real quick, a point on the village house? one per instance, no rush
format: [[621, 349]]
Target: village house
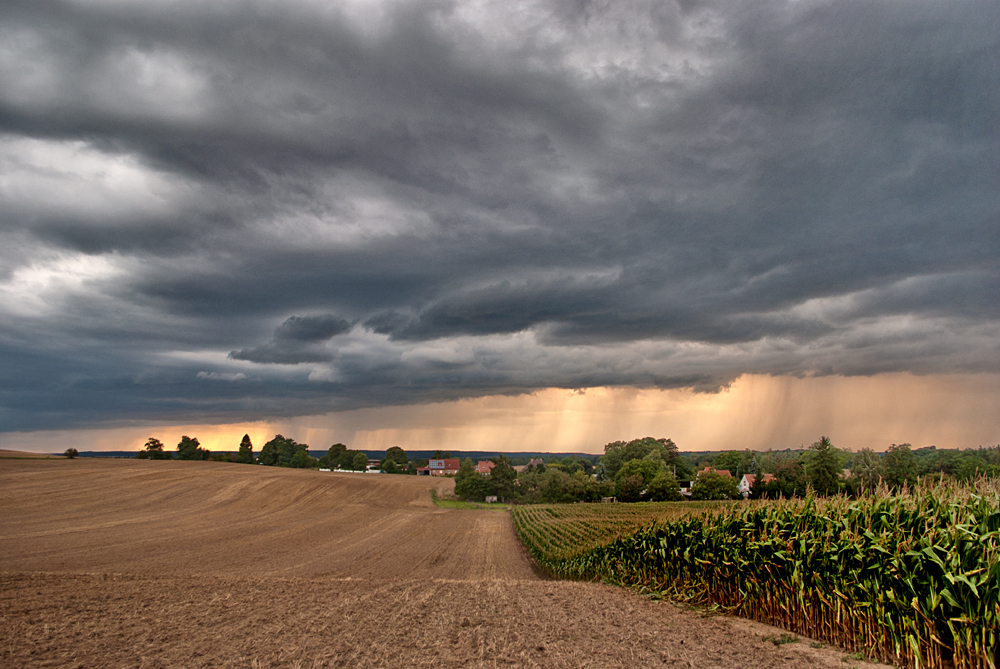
[[724, 473], [746, 483], [534, 462], [440, 467], [484, 467]]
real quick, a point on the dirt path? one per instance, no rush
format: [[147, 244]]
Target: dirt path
[[168, 564]]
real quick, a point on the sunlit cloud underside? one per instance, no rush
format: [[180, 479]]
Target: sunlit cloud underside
[[756, 412]]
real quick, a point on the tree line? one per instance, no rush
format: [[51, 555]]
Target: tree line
[[280, 451], [653, 470], [648, 469], [284, 451]]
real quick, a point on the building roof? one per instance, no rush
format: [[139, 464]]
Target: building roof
[[724, 473], [752, 478]]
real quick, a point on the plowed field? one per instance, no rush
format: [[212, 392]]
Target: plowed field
[[127, 563]]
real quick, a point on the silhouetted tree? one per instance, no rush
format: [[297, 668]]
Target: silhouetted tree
[[71, 453], [245, 454], [154, 450], [280, 451], [190, 449]]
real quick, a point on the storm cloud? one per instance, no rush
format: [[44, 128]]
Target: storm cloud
[[231, 211]]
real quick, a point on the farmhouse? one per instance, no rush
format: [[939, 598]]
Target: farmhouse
[[484, 467], [441, 467], [724, 473], [534, 462], [746, 483]]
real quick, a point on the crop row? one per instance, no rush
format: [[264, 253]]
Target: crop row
[[911, 578], [559, 531]]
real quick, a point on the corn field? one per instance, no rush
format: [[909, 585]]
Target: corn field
[[911, 578], [555, 532]]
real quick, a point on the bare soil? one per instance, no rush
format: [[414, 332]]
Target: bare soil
[[128, 563]]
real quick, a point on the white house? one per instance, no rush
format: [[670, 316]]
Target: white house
[[746, 483]]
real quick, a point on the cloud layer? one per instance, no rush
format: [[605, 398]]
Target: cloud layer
[[244, 210]]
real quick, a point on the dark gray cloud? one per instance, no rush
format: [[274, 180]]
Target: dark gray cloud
[[265, 209], [297, 340]]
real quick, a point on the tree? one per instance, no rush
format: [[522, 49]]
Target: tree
[[664, 488], [790, 481], [617, 453], [190, 449], [269, 453], [503, 478], [656, 457], [971, 464], [154, 450], [287, 450], [71, 453], [360, 462], [302, 460], [332, 458], [469, 484], [281, 451], [867, 469], [728, 460], [467, 469], [824, 467], [714, 486], [348, 458], [900, 466], [627, 489], [397, 455], [766, 462], [245, 454]]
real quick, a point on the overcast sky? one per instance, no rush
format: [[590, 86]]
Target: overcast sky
[[238, 211]]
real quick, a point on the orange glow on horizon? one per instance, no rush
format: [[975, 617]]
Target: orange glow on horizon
[[756, 412]]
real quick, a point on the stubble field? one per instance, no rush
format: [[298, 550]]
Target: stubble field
[[127, 563]]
